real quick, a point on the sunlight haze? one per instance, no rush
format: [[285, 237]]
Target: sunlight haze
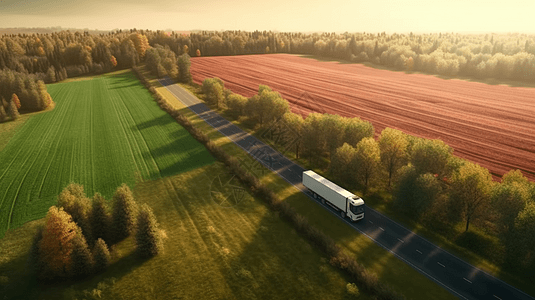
[[305, 16]]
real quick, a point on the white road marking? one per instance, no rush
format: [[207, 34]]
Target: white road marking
[[370, 222], [401, 240], [441, 264], [362, 232], [419, 251], [467, 280], [497, 297], [381, 228]]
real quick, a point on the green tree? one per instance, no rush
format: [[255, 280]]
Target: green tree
[[74, 201], [470, 190], [213, 88], [510, 197], [55, 246], [357, 129], [100, 218], [253, 109], [430, 156], [81, 258], [341, 163], [366, 160], [335, 126], [393, 145], [273, 106], [236, 104], [149, 240], [314, 136], [294, 134], [515, 176], [414, 193], [184, 64], [524, 241], [101, 255], [124, 213]]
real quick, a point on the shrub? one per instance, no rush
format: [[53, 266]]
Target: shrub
[[124, 213], [352, 289], [101, 255], [148, 237]]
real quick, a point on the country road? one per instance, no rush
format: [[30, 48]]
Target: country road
[[455, 275]]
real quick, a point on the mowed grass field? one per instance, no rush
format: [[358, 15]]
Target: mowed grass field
[[212, 251], [103, 132]]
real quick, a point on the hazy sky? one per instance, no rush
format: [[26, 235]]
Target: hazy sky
[[282, 15]]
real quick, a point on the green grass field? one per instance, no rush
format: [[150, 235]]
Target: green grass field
[[212, 251], [102, 132]]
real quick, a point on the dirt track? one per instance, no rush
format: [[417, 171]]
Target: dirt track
[[493, 125]]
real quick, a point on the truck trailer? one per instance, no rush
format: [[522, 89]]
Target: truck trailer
[[347, 203]]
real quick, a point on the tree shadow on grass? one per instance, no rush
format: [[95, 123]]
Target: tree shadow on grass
[[162, 120], [22, 283]]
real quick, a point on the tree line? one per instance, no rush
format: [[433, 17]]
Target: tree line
[[428, 183], [56, 56], [78, 235], [28, 59]]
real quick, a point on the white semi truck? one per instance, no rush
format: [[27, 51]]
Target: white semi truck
[[349, 205]]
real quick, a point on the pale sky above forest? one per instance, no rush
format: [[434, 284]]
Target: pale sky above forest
[[281, 15]]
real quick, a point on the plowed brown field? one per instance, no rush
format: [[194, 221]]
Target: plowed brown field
[[492, 125]]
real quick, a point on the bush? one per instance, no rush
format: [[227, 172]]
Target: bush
[[101, 255], [124, 213], [352, 289], [148, 236]]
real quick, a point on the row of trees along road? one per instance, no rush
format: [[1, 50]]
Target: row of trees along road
[[428, 183]]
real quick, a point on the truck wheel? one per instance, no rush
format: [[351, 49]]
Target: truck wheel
[[342, 214], [323, 201], [315, 195]]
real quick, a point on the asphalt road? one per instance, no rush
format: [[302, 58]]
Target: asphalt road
[[458, 277]]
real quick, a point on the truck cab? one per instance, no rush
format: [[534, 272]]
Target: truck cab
[[355, 208]]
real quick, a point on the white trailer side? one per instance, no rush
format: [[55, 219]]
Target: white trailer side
[[349, 204]]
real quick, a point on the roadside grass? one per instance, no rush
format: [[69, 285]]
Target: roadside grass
[[380, 199], [389, 268], [103, 132], [211, 252]]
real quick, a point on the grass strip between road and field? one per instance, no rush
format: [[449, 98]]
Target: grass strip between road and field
[[371, 257]]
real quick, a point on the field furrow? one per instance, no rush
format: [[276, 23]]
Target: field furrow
[[95, 137], [491, 125]]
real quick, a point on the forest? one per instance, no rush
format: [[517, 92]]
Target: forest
[[29, 60]]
